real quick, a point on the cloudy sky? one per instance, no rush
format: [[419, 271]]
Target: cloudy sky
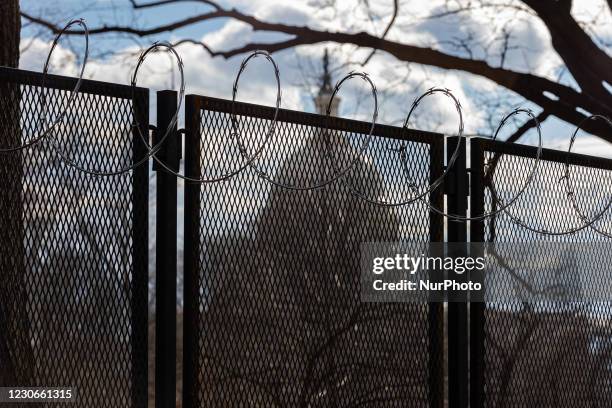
[[114, 58], [399, 83]]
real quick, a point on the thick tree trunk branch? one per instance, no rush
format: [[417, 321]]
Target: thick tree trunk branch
[[16, 357], [10, 33], [588, 64]]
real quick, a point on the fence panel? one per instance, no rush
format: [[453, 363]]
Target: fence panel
[[272, 309], [73, 248], [547, 354]]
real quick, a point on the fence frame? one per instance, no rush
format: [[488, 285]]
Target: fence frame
[[466, 321], [194, 105], [139, 213], [456, 191], [479, 148], [166, 251]]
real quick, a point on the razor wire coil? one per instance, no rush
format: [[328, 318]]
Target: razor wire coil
[[250, 159]]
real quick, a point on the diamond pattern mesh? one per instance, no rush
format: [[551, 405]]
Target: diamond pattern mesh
[[548, 354], [73, 248], [279, 319]]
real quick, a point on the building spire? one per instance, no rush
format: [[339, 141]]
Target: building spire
[[326, 90], [326, 85]]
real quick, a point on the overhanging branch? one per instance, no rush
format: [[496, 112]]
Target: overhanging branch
[[158, 3], [566, 105]]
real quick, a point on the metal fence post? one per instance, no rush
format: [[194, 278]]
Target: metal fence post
[[191, 253], [140, 253], [166, 249], [436, 309], [477, 234], [457, 192]]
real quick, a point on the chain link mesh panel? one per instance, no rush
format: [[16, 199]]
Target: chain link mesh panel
[[544, 354], [273, 315], [73, 248]]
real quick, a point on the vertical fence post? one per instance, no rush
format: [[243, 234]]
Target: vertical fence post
[[477, 332], [436, 309], [191, 253], [140, 254], [457, 193], [165, 261]]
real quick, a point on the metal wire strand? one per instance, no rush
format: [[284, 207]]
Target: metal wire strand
[[569, 193], [509, 203], [43, 134], [569, 186], [241, 147], [338, 173], [402, 149], [151, 150]]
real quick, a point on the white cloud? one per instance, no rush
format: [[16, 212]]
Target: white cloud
[[63, 61], [398, 82]]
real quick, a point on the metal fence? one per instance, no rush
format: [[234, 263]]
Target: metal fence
[[272, 314], [546, 354], [73, 248], [272, 309]]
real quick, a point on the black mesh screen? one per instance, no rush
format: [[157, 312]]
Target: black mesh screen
[[73, 247], [547, 354], [278, 320]]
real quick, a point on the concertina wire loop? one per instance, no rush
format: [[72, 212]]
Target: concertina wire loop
[[568, 180], [339, 172], [504, 206], [250, 159], [151, 150], [586, 223], [402, 149], [42, 117], [235, 133]]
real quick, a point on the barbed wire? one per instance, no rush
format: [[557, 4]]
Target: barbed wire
[[568, 181], [491, 165], [328, 159], [42, 118], [235, 133], [569, 188], [151, 150], [498, 206], [586, 222], [403, 148]]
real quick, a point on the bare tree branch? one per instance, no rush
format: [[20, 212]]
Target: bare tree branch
[[166, 2], [469, 7], [567, 103], [131, 30], [588, 64], [387, 29]]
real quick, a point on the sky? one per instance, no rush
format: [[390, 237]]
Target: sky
[[114, 59], [398, 83]]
